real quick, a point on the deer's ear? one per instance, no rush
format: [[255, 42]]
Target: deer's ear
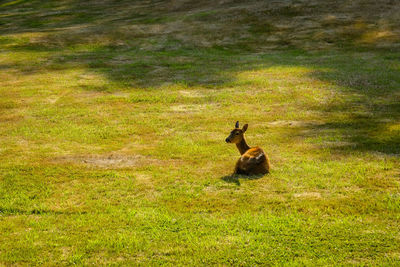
[[245, 127], [237, 124]]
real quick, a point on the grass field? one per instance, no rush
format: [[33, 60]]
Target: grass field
[[113, 116]]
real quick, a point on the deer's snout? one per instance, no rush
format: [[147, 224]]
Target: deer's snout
[[227, 140]]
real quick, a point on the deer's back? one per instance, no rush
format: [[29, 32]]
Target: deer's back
[[254, 161], [253, 152]]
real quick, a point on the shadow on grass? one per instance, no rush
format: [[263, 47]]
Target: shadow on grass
[[369, 86], [362, 135], [119, 44], [234, 178]]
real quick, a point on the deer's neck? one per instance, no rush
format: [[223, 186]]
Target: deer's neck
[[242, 146]]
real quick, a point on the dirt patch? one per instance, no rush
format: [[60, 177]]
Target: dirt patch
[[189, 108], [111, 161]]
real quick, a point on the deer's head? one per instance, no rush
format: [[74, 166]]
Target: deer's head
[[236, 135]]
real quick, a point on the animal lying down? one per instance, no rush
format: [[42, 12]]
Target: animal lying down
[[253, 159]]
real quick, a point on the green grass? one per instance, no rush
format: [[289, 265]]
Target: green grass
[[113, 121]]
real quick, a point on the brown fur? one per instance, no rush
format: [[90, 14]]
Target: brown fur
[[253, 160]]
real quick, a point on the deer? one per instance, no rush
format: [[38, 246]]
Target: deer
[[253, 160]]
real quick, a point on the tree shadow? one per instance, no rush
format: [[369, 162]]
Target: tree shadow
[[371, 90], [359, 135], [147, 44], [248, 24]]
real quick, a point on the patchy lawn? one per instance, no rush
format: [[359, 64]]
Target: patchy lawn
[[113, 116]]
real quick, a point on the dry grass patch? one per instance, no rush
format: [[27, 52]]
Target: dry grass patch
[[111, 161], [284, 123], [314, 195], [147, 185], [191, 93], [190, 108], [113, 116]]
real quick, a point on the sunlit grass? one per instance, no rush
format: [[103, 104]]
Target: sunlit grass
[[114, 153]]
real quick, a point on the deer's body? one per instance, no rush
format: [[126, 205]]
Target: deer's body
[[253, 160]]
